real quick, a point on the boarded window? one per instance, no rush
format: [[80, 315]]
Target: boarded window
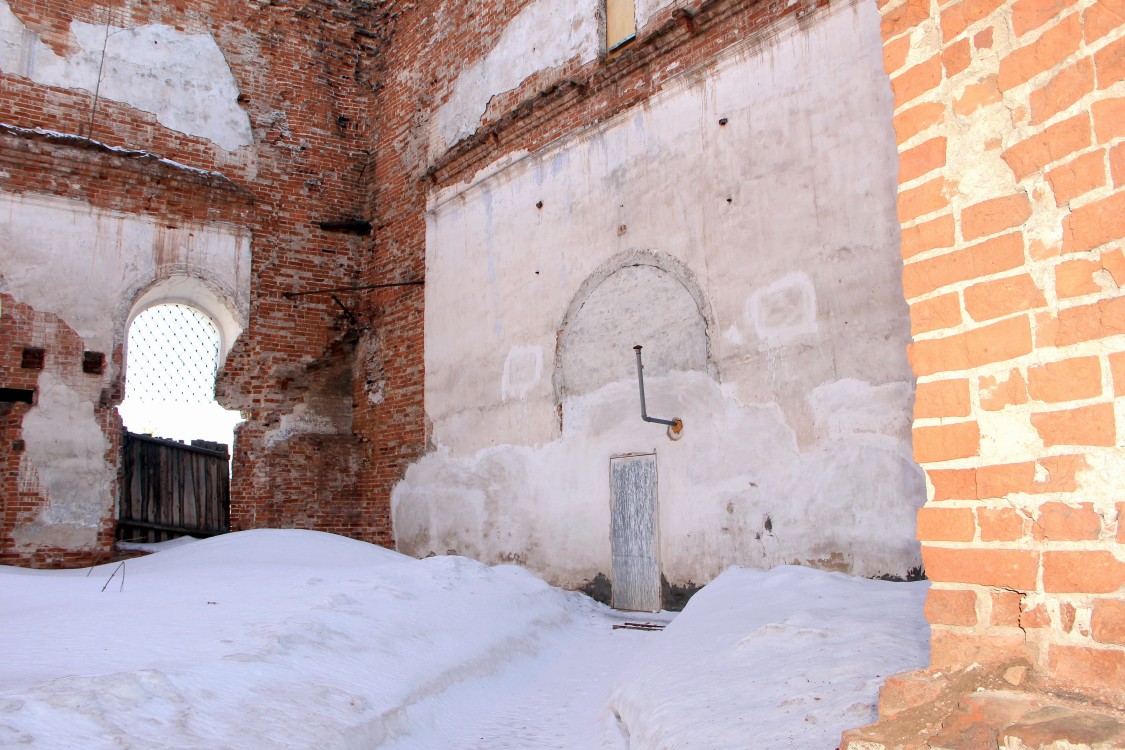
[[620, 22]]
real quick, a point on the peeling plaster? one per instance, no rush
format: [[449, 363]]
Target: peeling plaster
[[64, 458], [647, 9], [849, 502], [545, 34], [1006, 434], [771, 309], [636, 304], [93, 264], [326, 394], [183, 79], [370, 358]]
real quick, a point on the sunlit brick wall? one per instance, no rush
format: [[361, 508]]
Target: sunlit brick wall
[[1010, 118]]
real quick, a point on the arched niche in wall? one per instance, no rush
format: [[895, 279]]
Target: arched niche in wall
[[636, 297]]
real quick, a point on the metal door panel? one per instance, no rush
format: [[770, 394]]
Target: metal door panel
[[636, 569]]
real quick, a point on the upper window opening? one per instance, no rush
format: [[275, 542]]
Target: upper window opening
[[620, 22], [172, 358]]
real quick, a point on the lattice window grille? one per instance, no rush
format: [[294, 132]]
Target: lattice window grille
[[173, 357]]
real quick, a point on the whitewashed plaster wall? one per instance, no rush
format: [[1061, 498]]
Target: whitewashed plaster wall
[[774, 325], [93, 269], [181, 78]]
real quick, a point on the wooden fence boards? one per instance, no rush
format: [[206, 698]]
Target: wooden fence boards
[[170, 489]]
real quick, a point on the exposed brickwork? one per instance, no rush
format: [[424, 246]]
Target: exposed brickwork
[[1007, 114], [327, 86], [305, 75], [23, 496]]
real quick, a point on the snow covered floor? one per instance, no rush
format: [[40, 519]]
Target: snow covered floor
[[294, 639], [557, 699]]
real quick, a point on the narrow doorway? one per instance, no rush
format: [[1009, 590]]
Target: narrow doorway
[[636, 567]]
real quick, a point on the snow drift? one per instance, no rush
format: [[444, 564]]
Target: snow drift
[[772, 659], [298, 639], [280, 639]]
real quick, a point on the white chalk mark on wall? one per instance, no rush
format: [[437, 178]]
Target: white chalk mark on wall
[[183, 79]]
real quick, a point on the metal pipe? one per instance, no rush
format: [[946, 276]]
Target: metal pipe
[[674, 425]]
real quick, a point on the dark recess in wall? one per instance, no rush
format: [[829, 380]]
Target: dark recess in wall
[[672, 598], [17, 396]]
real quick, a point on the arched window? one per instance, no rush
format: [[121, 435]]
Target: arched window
[[172, 358]]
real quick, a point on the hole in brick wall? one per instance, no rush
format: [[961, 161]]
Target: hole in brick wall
[[17, 446], [93, 363], [17, 396], [33, 358]]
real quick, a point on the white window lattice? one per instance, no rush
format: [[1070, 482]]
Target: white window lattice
[[173, 356]]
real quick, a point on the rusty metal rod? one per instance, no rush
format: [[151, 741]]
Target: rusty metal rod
[[355, 321], [365, 287]]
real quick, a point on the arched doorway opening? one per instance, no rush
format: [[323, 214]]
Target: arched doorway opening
[[178, 441]]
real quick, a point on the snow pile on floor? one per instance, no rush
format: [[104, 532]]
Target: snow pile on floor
[[786, 658], [297, 639], [272, 639]]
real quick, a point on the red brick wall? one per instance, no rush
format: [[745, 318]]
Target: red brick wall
[[1010, 118], [305, 74]]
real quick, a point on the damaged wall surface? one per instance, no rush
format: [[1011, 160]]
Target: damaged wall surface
[[715, 223], [1012, 125], [93, 264], [195, 92], [721, 189], [68, 292], [183, 153]]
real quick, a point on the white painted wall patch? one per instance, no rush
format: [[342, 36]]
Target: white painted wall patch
[[545, 34], [523, 369], [783, 310], [65, 449]]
